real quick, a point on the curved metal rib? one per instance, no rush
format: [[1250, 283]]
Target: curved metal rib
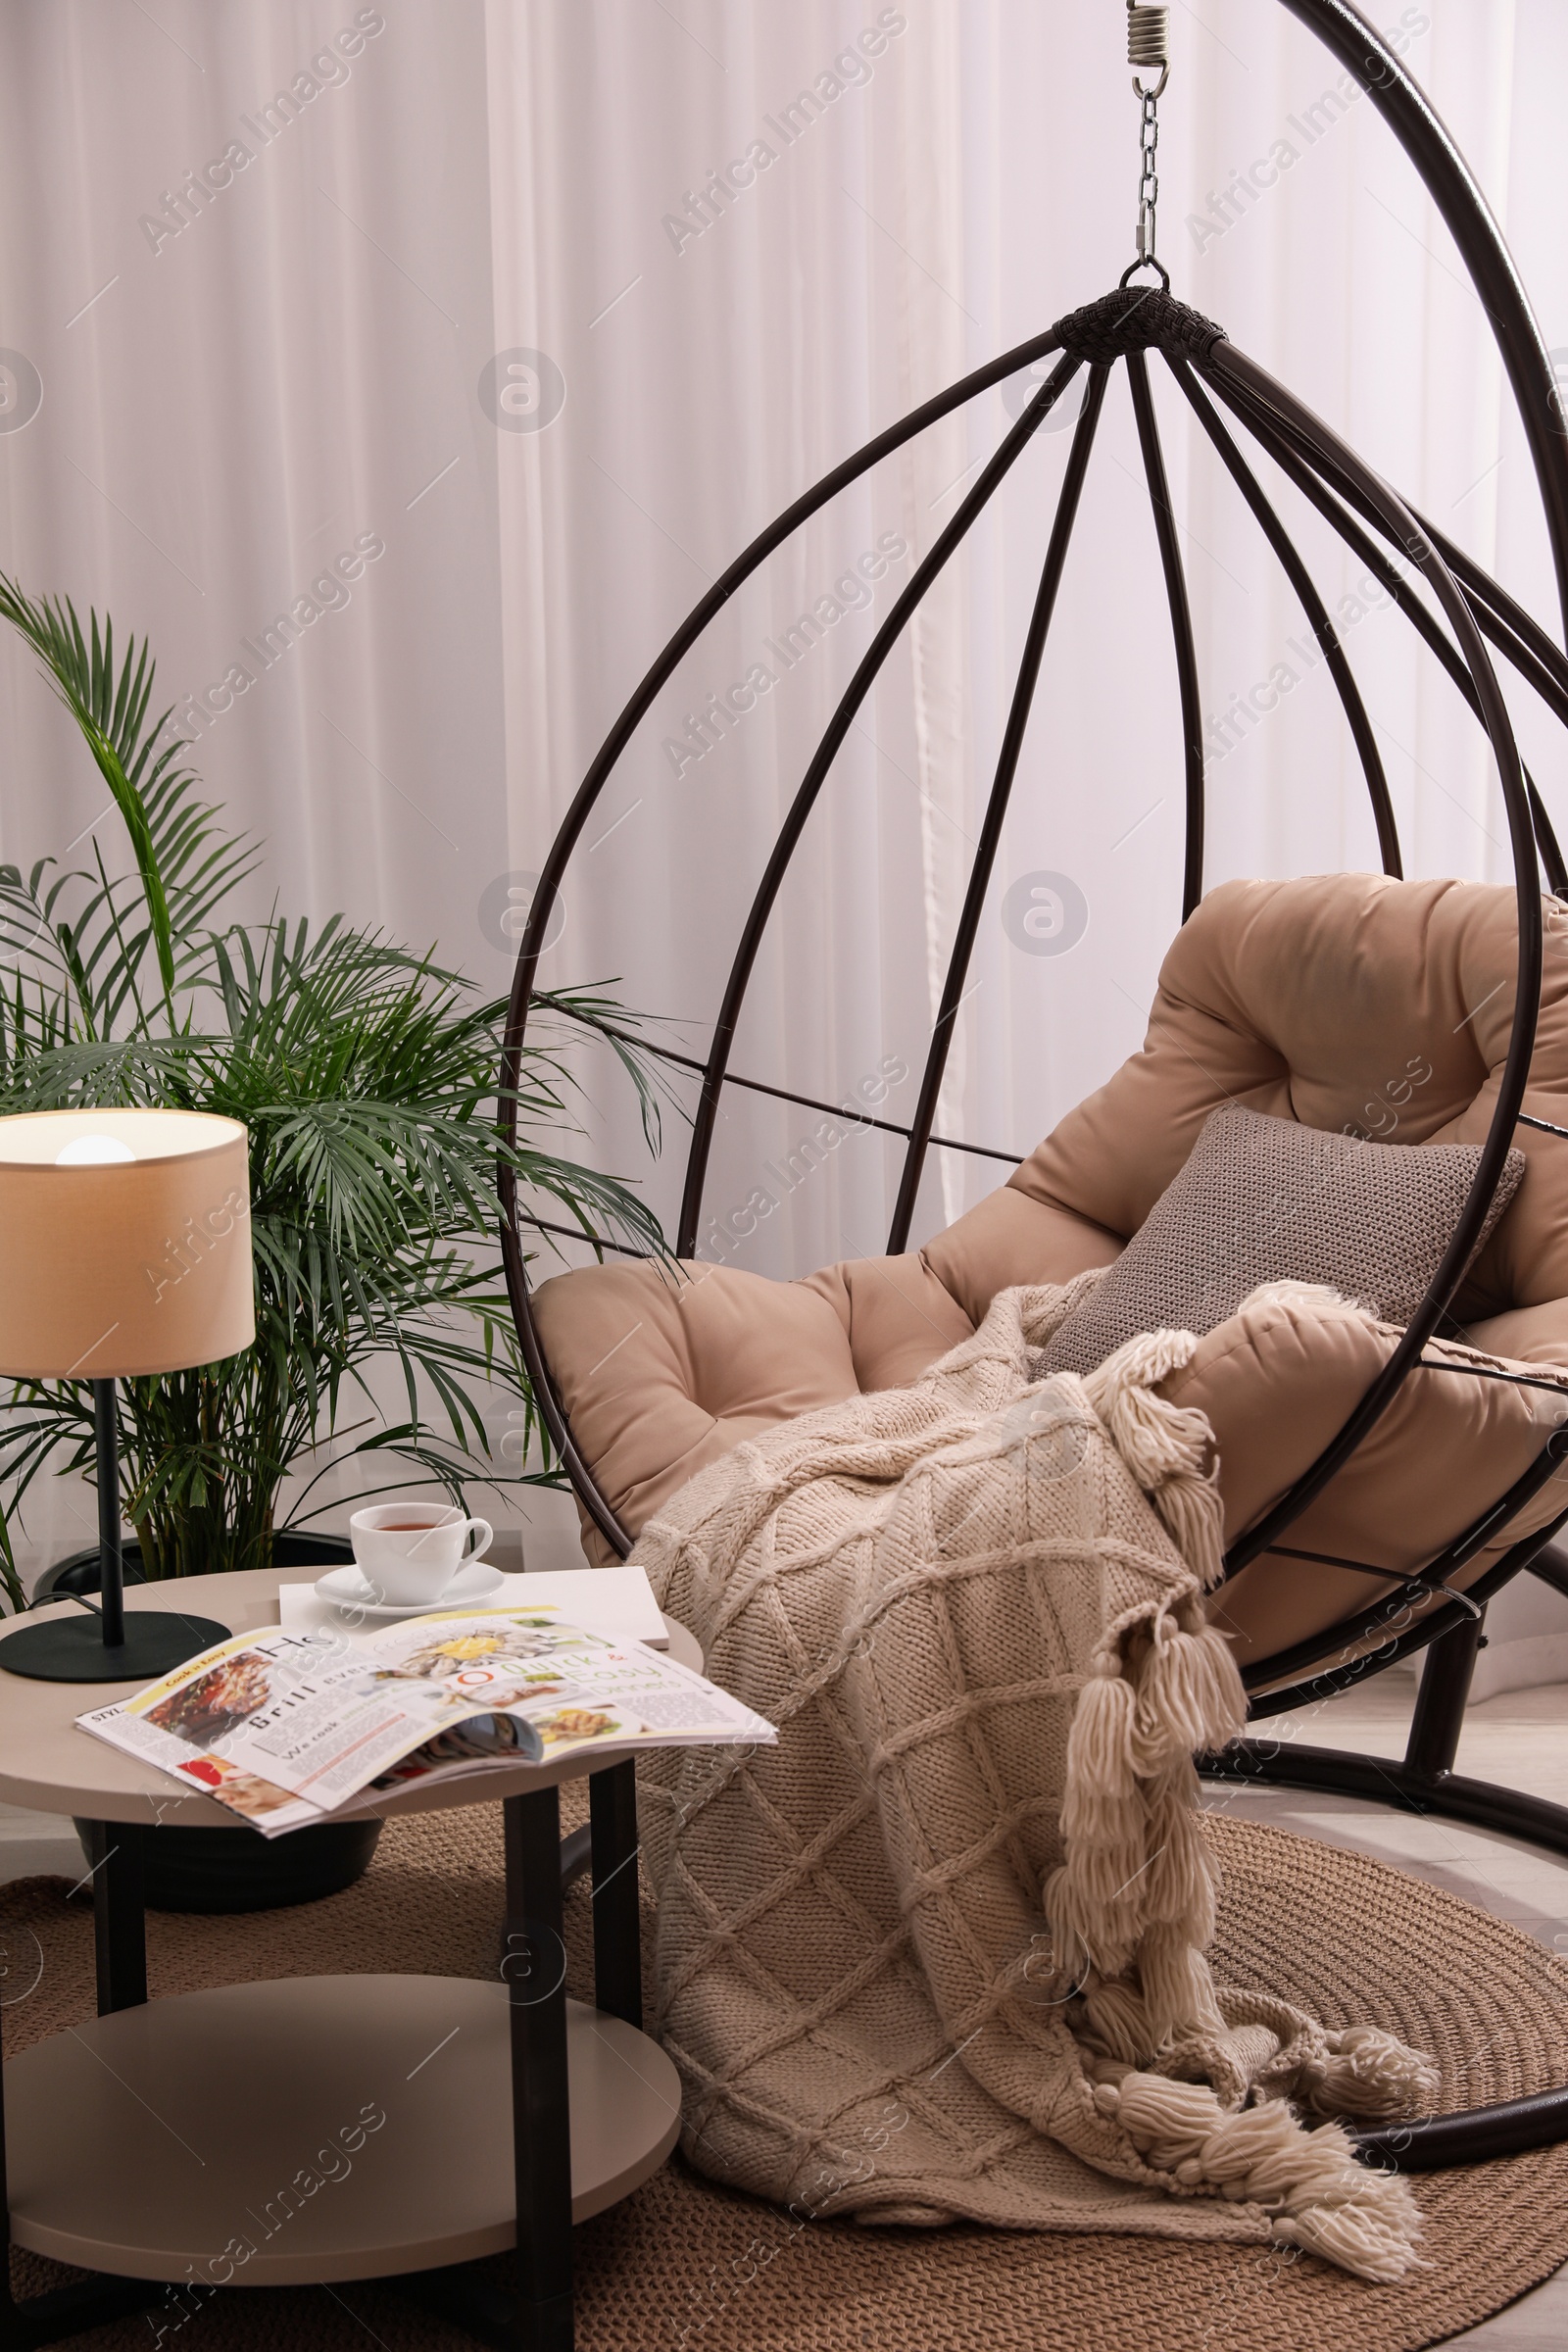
[[1447, 179], [1332, 504], [882, 445], [1312, 605], [1181, 627], [550, 1410], [547, 1397], [936, 1060], [1384, 1614], [1513, 624], [1230, 364], [1523, 643], [1510, 629], [804, 799]]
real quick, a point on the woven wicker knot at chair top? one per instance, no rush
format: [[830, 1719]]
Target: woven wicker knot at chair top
[[1136, 318]]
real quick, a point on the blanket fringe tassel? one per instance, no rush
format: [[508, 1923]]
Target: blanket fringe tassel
[[1137, 1883], [1136, 1894], [1317, 2193]]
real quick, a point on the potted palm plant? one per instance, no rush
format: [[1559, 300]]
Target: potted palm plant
[[366, 1074]]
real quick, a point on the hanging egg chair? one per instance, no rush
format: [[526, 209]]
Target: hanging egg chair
[[1356, 1459]]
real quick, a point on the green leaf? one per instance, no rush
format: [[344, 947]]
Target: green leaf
[[184, 863]]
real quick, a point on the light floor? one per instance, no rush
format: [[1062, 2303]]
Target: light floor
[[1519, 1737]]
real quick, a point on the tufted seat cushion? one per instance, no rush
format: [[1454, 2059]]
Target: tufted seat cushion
[[1342, 1001]]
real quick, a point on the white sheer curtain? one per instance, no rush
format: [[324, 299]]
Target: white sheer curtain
[[472, 292]]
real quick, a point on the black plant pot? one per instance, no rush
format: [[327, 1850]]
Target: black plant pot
[[81, 1572], [237, 1870], [240, 1869]]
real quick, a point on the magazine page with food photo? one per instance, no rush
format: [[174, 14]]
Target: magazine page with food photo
[[284, 1728]]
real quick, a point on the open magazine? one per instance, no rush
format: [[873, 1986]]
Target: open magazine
[[286, 1728]]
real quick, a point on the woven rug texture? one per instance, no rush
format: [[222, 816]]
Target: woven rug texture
[[684, 2266]]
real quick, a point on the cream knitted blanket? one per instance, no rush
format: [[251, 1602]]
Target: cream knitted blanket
[[939, 1953]]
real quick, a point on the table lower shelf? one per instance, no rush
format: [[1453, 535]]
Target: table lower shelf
[[311, 2129]]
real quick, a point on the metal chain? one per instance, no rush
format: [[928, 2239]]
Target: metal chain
[[1147, 45], [1149, 179]]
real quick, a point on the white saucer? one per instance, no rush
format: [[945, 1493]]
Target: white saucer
[[346, 1589]]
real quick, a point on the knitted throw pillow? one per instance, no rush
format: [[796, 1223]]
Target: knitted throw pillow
[[1264, 1199]]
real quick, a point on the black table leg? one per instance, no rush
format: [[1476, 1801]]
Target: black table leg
[[115, 1856], [617, 1940], [535, 1970], [91, 2302], [538, 2318]]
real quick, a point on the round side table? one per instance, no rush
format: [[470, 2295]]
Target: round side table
[[327, 2128]]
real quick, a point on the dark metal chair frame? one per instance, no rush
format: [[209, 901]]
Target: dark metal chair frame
[[1471, 608]]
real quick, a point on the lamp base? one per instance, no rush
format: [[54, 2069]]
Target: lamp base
[[73, 1649]]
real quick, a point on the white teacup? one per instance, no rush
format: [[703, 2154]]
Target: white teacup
[[409, 1553]]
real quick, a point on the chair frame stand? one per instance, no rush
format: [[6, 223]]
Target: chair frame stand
[[1423, 1781]]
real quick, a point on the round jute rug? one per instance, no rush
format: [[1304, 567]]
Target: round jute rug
[[685, 2266]]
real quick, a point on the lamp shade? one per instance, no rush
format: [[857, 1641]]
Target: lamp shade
[[125, 1242]]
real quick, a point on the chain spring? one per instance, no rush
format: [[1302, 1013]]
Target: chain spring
[[1147, 35]]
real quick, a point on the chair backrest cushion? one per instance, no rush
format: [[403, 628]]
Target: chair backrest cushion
[[1344, 1001]]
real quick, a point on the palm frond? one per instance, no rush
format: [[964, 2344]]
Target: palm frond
[[184, 861]]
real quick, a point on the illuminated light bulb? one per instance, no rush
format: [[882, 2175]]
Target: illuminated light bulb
[[95, 1151]]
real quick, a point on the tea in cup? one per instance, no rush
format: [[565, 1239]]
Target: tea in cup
[[409, 1553]]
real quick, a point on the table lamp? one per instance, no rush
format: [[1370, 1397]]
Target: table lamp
[[124, 1250]]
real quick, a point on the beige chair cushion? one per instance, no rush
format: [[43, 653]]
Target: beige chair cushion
[[1342, 1001], [660, 1375], [1276, 1383], [1338, 1000]]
